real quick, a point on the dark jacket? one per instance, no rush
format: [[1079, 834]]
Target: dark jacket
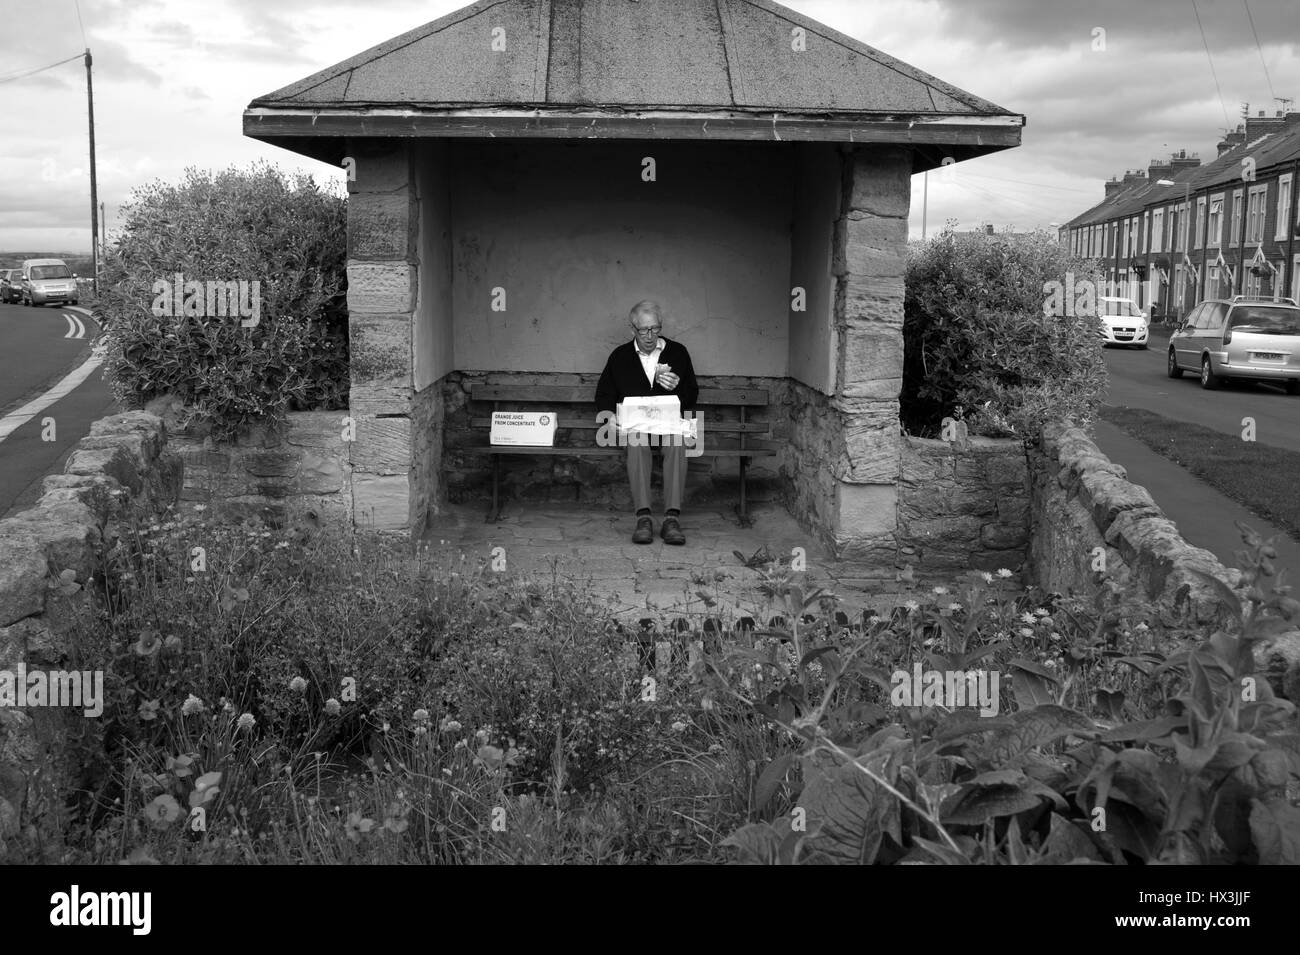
[[624, 377]]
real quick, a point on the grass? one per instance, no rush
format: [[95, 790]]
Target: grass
[[1257, 476]]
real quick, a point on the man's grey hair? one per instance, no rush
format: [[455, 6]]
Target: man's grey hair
[[645, 308]]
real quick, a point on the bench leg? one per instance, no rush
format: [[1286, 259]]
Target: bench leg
[[494, 515], [742, 510]]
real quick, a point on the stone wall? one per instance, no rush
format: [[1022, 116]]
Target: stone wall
[[303, 470], [963, 505], [124, 459], [1085, 515]]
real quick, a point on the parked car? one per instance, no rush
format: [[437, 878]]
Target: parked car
[[10, 285], [1241, 339], [48, 280], [1122, 322]]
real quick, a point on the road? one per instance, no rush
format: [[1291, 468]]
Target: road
[[37, 351], [1138, 380]]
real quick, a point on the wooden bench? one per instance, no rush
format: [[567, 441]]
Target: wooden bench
[[576, 430]]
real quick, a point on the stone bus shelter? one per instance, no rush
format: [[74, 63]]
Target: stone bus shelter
[[523, 171]]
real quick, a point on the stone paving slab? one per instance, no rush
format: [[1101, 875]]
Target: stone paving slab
[[597, 547]]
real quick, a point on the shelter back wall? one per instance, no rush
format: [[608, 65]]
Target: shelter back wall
[[575, 237]]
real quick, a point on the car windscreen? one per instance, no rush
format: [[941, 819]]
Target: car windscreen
[[51, 272], [1124, 308], [1266, 320]]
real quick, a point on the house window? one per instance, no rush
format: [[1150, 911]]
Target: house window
[[1200, 222], [1214, 233], [1234, 237], [1157, 229], [1255, 210], [1283, 206], [1295, 278], [1146, 231], [1114, 237], [1212, 281]]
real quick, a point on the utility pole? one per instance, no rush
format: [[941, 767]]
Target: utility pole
[[925, 200], [94, 189]]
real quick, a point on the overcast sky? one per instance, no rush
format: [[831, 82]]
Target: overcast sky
[[172, 78]]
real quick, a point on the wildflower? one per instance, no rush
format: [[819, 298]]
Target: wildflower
[[395, 818], [148, 643], [716, 748], [200, 508], [356, 826], [1004, 573], [874, 619], [940, 591], [173, 642], [332, 706], [461, 744], [148, 710], [421, 730], [191, 705], [490, 758], [1055, 635], [954, 606], [988, 578], [1028, 617], [1050, 664], [421, 715], [162, 811], [281, 544], [298, 685], [1141, 627], [246, 721], [227, 706], [1043, 612], [912, 606], [448, 725], [679, 727], [482, 736], [1026, 632], [446, 770]]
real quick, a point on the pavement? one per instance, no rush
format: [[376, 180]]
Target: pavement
[[700, 580], [1205, 518]]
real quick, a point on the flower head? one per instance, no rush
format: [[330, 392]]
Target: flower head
[[940, 591], [448, 725], [1028, 617], [332, 706], [679, 727], [912, 606], [1004, 573], [356, 826], [988, 578], [148, 710], [148, 643], [246, 721], [421, 715], [162, 811], [298, 685], [191, 706]]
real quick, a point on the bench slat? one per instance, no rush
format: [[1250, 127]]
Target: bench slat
[[586, 394], [724, 427], [593, 452]]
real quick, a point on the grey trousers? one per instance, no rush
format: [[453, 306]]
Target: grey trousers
[[639, 464]]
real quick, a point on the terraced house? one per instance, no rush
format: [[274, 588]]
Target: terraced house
[[1183, 231]]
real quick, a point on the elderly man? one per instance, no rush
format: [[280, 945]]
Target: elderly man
[[651, 365]]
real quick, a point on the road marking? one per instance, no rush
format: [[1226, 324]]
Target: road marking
[[75, 328], [16, 419]]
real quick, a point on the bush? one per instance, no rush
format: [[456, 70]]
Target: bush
[[978, 346], [254, 225]]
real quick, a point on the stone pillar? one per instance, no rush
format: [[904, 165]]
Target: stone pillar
[[870, 250], [382, 263]]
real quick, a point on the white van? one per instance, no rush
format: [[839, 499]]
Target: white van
[[47, 280]]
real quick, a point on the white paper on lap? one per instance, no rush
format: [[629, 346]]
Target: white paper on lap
[[656, 414]]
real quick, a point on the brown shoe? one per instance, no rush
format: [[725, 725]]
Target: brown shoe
[[645, 531], [672, 531]]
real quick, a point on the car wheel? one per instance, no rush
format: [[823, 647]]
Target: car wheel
[[1174, 371], [1209, 380], [1293, 386]]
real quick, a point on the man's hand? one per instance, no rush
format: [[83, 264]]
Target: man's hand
[[666, 379]]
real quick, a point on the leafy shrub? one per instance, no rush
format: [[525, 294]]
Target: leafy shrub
[[255, 225], [978, 346]]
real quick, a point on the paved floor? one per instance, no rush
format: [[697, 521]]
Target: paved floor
[[702, 579]]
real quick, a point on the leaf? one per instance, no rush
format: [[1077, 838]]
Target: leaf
[[942, 852], [772, 776], [758, 842], [1144, 731], [850, 811], [1065, 843], [1226, 595], [974, 807], [1111, 701], [1030, 666], [1275, 826], [1036, 727]]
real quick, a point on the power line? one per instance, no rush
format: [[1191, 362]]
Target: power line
[[1268, 79], [1226, 122], [10, 77], [1027, 182]]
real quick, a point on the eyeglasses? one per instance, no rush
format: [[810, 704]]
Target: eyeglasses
[[649, 331]]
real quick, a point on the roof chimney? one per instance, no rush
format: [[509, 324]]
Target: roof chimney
[[1160, 169], [1257, 126], [988, 229], [1114, 186], [1180, 161], [1235, 138]]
